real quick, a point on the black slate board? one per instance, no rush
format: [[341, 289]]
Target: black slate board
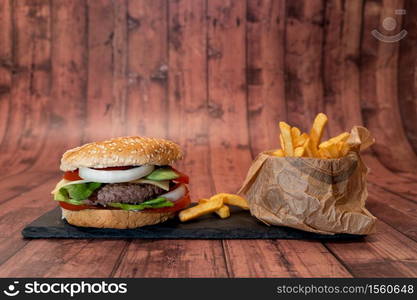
[[241, 225]]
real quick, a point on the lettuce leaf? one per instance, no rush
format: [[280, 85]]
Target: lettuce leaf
[[76, 192], [154, 203]]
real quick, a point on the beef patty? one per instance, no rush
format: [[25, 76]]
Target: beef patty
[[133, 193]]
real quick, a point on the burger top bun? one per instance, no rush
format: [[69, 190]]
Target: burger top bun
[[122, 151]]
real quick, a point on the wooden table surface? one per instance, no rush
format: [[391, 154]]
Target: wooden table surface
[[215, 76]]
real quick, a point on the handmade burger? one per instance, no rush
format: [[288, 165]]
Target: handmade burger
[[121, 183]]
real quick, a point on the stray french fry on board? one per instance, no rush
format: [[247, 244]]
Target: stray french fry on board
[[216, 204]]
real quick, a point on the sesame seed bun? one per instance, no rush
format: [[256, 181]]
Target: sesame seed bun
[[122, 151], [112, 218]]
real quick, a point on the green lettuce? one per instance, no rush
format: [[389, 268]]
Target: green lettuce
[[76, 192], [154, 203]]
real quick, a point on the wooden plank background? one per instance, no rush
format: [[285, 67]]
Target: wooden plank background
[[216, 76]]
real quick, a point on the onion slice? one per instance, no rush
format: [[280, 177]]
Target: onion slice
[[116, 176], [176, 194]]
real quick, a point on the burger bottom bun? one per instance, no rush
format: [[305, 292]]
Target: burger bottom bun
[[112, 218]]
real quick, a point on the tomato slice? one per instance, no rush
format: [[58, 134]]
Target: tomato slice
[[70, 206], [183, 178], [182, 203], [72, 175]]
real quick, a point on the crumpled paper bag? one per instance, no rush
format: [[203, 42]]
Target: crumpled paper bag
[[324, 196]]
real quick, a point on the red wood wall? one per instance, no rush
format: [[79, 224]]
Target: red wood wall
[[214, 75]]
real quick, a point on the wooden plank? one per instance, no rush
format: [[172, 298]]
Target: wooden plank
[[187, 91], [228, 134], [14, 216], [265, 22], [25, 135], [66, 106], [147, 68], [394, 210], [6, 62], [281, 258], [387, 253], [390, 181], [179, 258], [100, 108], [403, 189], [333, 59], [17, 184], [343, 22], [407, 79], [303, 61], [379, 93], [120, 57], [64, 258], [350, 97]]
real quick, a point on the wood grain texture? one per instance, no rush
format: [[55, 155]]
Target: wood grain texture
[[179, 258], [283, 258], [187, 91], [26, 123], [66, 109], [216, 77], [342, 29], [227, 129], [147, 68], [379, 65], [265, 35], [384, 254], [407, 79], [13, 217], [6, 63], [101, 107], [303, 61]]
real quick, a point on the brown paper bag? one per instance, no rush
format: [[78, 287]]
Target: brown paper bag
[[318, 195]]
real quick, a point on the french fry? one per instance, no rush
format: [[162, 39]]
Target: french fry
[[200, 209], [299, 151], [323, 153], [295, 133], [231, 199], [223, 212], [203, 200], [329, 150], [287, 139], [317, 132], [281, 141], [298, 139], [307, 149], [301, 140], [334, 152], [278, 153], [340, 138], [343, 148]]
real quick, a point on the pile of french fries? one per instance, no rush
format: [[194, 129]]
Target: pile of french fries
[[297, 144], [216, 204]]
